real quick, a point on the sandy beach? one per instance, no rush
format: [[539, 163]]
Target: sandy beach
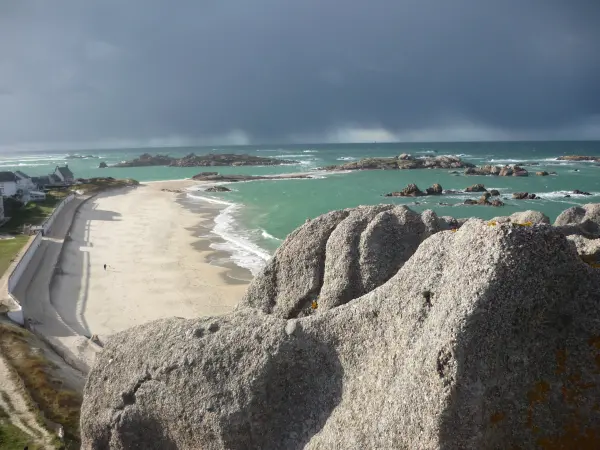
[[156, 266]]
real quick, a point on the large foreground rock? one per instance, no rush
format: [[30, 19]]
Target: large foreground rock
[[586, 218], [486, 338], [351, 252]]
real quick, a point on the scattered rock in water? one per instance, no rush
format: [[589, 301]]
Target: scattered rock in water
[[520, 173], [524, 196], [436, 189], [578, 192], [497, 202], [470, 202], [567, 196], [454, 172], [412, 190], [578, 158], [476, 188], [406, 157], [553, 173], [218, 189], [542, 173], [494, 193], [503, 171], [498, 323], [102, 165]]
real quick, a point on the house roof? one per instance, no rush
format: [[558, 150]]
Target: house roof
[[7, 176], [65, 172], [22, 174], [41, 180]]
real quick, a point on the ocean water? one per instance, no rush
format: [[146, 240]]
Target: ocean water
[[258, 215]]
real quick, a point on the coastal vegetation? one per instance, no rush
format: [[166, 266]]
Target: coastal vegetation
[[47, 396]]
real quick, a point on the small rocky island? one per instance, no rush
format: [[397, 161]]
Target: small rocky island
[[578, 158], [403, 162], [193, 160], [215, 176]]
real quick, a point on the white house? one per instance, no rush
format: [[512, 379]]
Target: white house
[[64, 174], [24, 181], [8, 184]]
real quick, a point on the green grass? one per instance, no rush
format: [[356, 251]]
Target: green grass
[[9, 249], [47, 392], [34, 213], [12, 437], [96, 185]]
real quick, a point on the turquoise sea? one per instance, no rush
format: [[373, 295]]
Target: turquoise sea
[[257, 215]]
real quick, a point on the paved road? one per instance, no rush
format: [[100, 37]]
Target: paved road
[[33, 292]]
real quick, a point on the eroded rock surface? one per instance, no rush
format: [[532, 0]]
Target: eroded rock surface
[[483, 337]]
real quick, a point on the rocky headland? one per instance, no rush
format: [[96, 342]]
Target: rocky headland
[[193, 160], [376, 327]]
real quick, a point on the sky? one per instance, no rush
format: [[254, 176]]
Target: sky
[[116, 73]]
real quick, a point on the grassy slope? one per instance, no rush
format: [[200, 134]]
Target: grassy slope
[[46, 392], [9, 249]]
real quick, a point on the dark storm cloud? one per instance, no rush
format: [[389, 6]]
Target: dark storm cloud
[[79, 71]]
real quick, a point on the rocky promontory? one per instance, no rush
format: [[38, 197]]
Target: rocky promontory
[[193, 160], [401, 162], [376, 327], [578, 158]]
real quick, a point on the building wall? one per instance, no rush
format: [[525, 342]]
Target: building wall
[[8, 188]]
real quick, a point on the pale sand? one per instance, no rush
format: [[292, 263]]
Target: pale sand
[[155, 269]]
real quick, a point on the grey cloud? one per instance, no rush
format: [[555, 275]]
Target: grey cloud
[[73, 71]]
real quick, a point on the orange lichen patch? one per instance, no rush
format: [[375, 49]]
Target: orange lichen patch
[[595, 265], [314, 304], [573, 389], [492, 223], [561, 361], [539, 394], [454, 230], [497, 417], [594, 341], [573, 438], [524, 224]]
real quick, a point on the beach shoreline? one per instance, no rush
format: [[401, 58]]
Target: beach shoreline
[[157, 266]]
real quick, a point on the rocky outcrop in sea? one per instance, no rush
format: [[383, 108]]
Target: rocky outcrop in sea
[[578, 158], [502, 171], [193, 160], [402, 162], [376, 327]]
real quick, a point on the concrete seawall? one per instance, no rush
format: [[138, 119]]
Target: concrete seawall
[[16, 270]]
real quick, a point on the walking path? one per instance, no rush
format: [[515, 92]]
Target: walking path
[[33, 292], [13, 403]]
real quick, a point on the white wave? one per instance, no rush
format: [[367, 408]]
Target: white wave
[[511, 161], [346, 158], [561, 194], [289, 156], [244, 252], [268, 235], [310, 151], [22, 165]]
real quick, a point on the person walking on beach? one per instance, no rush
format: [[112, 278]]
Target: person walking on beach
[[105, 267]]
